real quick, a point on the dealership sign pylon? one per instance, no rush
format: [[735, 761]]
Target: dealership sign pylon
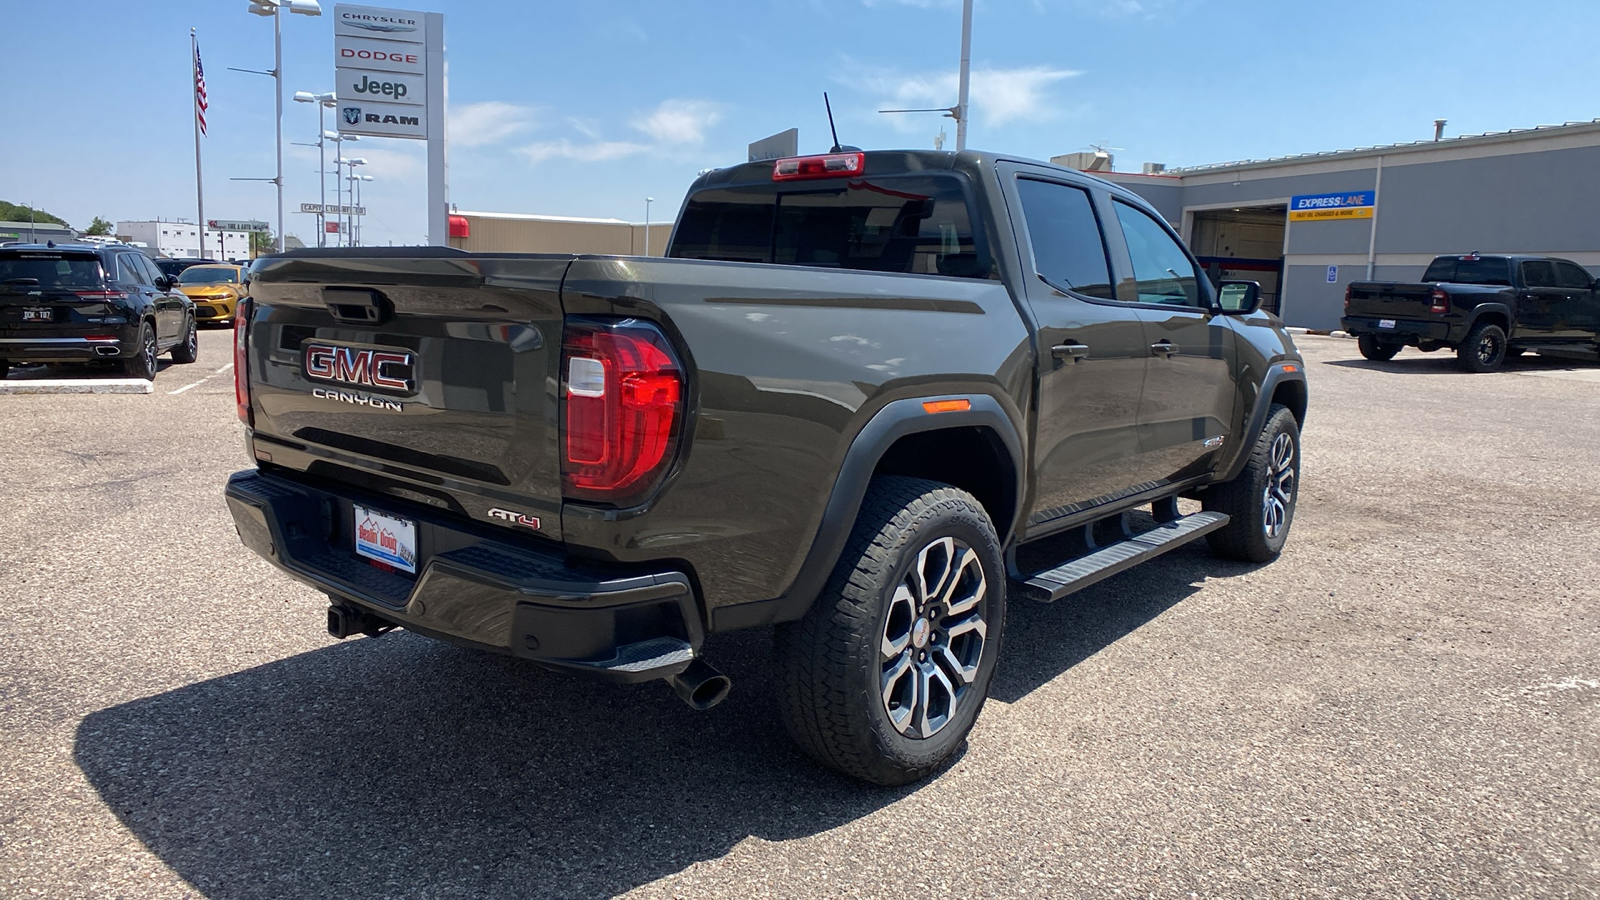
[[389, 65]]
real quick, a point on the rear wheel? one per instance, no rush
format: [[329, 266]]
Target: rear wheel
[[5, 367], [1484, 350], [885, 675], [143, 363], [1376, 350], [1260, 502], [188, 350]]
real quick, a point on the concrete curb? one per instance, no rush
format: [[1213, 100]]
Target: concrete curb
[[1295, 329], [1339, 334], [77, 386]]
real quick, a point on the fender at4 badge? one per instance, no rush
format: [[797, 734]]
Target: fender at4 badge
[[515, 518]]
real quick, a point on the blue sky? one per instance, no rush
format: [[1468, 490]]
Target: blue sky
[[584, 109]]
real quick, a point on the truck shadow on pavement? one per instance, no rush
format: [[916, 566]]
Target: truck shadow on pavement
[[1444, 363], [400, 766]]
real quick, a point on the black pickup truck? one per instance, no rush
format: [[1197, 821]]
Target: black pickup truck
[[1486, 308], [853, 402]]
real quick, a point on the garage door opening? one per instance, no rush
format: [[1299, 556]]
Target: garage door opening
[[1243, 244]]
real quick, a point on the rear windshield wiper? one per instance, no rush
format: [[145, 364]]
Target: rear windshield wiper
[[28, 282]]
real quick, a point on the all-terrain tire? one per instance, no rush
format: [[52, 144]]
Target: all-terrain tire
[[143, 364], [5, 368], [1260, 501], [1376, 350], [850, 670], [188, 349], [1484, 350]]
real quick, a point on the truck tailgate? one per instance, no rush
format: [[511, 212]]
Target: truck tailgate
[[1390, 300], [432, 378]]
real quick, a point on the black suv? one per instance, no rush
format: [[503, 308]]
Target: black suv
[[63, 303], [172, 267]]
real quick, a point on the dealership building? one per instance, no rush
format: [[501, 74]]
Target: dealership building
[[181, 240], [1306, 226]]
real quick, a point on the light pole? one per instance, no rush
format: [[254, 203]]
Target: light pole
[[647, 202], [346, 219], [959, 111], [324, 102], [356, 205], [275, 8], [338, 141]]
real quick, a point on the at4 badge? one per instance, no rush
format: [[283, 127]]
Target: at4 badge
[[515, 518]]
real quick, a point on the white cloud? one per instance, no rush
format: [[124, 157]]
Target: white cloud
[[488, 122], [998, 96], [597, 151], [679, 121]]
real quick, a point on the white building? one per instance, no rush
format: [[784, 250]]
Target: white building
[[182, 239]]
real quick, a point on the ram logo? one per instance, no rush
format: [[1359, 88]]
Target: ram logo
[[385, 370]]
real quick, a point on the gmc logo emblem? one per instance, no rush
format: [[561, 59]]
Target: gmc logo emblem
[[388, 370]]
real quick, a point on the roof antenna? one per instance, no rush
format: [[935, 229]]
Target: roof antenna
[[829, 107], [837, 147]]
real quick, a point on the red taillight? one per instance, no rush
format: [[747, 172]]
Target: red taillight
[[832, 165], [1347, 291], [1439, 302], [622, 397], [241, 377], [103, 296]]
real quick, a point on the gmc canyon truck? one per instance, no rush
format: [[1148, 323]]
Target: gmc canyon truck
[[865, 398], [1486, 308]]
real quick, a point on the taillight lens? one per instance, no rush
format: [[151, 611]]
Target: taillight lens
[[1347, 291], [241, 377], [832, 165], [1440, 301], [102, 296], [622, 408]]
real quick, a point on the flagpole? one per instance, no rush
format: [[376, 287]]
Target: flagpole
[[194, 89]]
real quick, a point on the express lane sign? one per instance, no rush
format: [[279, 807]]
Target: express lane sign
[[1324, 207]]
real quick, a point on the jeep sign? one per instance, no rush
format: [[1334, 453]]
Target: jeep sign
[[355, 86]]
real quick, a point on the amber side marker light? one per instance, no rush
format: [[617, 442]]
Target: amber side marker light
[[939, 406], [1291, 368]]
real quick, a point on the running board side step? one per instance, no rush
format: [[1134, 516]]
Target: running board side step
[[1053, 584]]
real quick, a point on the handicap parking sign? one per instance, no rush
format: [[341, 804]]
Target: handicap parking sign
[[1333, 274]]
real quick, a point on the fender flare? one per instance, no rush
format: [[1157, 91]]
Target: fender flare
[[1483, 309], [896, 420], [1277, 374]]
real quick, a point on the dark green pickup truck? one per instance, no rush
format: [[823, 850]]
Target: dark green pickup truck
[[850, 403]]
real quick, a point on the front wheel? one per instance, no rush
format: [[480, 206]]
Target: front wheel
[[1484, 350], [886, 674], [1260, 502], [1376, 350], [188, 350]]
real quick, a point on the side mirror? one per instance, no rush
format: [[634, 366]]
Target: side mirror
[[166, 282], [1239, 298]]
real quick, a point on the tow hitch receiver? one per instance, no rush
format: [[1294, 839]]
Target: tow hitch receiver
[[345, 621]]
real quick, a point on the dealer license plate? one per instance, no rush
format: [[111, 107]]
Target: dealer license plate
[[1385, 323], [36, 315], [390, 540]]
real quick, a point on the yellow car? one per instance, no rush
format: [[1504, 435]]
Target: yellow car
[[215, 290]]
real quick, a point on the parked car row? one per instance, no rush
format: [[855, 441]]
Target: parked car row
[[84, 303]]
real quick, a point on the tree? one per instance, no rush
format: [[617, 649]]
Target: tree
[[99, 227], [262, 242], [18, 212]]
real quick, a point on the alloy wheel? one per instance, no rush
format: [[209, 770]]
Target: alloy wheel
[[933, 638], [150, 353], [1488, 348], [1277, 500]]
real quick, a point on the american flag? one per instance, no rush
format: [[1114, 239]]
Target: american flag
[[199, 89]]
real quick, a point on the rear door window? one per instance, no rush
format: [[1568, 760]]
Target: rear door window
[[1483, 270], [1069, 249], [915, 224], [1538, 273]]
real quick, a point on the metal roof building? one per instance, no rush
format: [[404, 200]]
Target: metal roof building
[[1306, 226]]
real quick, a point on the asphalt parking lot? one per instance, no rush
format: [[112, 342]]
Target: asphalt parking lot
[[1406, 704]]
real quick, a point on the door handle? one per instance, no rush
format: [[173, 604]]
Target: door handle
[[1071, 350], [1164, 348]]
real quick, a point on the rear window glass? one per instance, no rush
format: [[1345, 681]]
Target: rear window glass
[[1483, 270], [203, 275], [50, 270], [918, 224]]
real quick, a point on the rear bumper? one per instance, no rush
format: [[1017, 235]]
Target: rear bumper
[[1404, 331], [61, 349], [473, 587]]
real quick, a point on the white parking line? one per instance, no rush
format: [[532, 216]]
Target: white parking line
[[201, 381]]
